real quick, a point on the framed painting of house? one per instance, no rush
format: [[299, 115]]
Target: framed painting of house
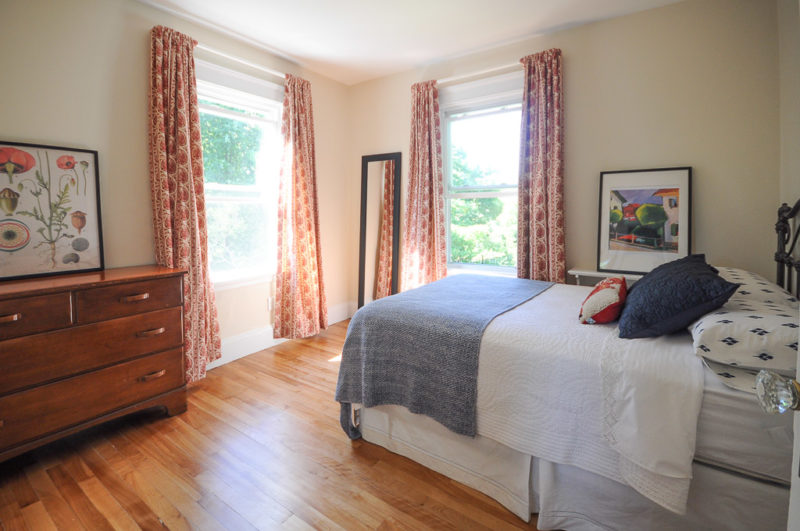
[[49, 211], [645, 218]]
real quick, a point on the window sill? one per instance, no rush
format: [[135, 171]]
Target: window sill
[[223, 284], [475, 269]]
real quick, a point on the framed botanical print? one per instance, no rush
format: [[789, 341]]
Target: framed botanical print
[[49, 211], [645, 218]]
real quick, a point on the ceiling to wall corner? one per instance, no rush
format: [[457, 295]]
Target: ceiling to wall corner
[[356, 40]]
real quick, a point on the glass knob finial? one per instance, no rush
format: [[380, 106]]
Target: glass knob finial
[[777, 394]]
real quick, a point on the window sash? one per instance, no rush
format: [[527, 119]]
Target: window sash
[[456, 116], [233, 115], [244, 200], [483, 195], [261, 107], [457, 113]]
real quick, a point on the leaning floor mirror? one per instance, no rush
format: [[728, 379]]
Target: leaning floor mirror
[[380, 227]]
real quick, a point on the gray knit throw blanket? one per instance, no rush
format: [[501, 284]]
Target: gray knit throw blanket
[[419, 348]]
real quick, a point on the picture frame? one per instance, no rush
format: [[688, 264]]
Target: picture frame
[[50, 220], [645, 218]]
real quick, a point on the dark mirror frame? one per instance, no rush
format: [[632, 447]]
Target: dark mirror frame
[[362, 246]]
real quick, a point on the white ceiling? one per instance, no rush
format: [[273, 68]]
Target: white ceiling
[[356, 40]]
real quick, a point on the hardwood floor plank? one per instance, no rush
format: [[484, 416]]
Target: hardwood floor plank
[[229, 518], [107, 505], [295, 523], [75, 467], [37, 518], [139, 511], [57, 508], [16, 480], [75, 497], [142, 476], [260, 447], [151, 457], [10, 512]]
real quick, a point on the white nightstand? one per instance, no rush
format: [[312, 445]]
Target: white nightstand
[[597, 275]]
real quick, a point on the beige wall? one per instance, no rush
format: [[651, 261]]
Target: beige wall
[[789, 42], [694, 83], [77, 75]]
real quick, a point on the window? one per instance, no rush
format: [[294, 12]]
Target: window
[[241, 159], [482, 123]]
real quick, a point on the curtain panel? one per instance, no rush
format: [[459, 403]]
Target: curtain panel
[[540, 239], [301, 308], [176, 181], [425, 246], [383, 277]]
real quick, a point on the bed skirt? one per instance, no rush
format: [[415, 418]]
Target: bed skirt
[[566, 497]]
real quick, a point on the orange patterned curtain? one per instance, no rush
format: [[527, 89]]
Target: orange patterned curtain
[[383, 278], [301, 309], [540, 240], [176, 181], [425, 245]]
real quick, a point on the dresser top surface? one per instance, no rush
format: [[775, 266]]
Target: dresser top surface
[[33, 286]]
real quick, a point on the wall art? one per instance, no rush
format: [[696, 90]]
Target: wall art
[[645, 218], [49, 211]]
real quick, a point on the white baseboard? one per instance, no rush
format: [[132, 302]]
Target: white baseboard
[[252, 341], [242, 345]]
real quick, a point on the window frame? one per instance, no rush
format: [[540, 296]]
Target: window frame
[[495, 94], [252, 95]]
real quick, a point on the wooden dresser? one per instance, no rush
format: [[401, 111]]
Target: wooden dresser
[[77, 350]]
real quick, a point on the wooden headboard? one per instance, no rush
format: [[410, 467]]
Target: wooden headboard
[[786, 256]]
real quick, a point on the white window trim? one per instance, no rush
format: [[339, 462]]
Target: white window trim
[[207, 72], [454, 268], [223, 284], [487, 93], [225, 113], [491, 91], [229, 87]]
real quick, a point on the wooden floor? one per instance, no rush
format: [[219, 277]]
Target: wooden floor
[[259, 448]]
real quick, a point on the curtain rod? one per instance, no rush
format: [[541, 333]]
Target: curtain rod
[[275, 73], [479, 73]]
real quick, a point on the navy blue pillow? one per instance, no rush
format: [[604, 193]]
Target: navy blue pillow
[[672, 296]]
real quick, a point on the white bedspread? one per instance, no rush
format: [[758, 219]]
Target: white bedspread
[[579, 395]]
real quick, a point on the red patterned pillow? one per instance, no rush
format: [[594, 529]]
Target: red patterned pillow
[[605, 302]]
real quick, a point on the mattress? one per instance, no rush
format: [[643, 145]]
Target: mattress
[[734, 433]]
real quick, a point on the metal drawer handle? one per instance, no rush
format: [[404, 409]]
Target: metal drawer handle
[[2, 423], [10, 318], [151, 333], [135, 298], [153, 375]]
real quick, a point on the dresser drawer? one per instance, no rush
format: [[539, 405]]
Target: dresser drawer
[[98, 304], [30, 315], [27, 361], [49, 408]]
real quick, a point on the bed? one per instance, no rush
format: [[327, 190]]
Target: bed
[[585, 429]]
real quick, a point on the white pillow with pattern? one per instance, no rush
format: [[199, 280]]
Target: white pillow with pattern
[[749, 334], [756, 288], [735, 377]]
